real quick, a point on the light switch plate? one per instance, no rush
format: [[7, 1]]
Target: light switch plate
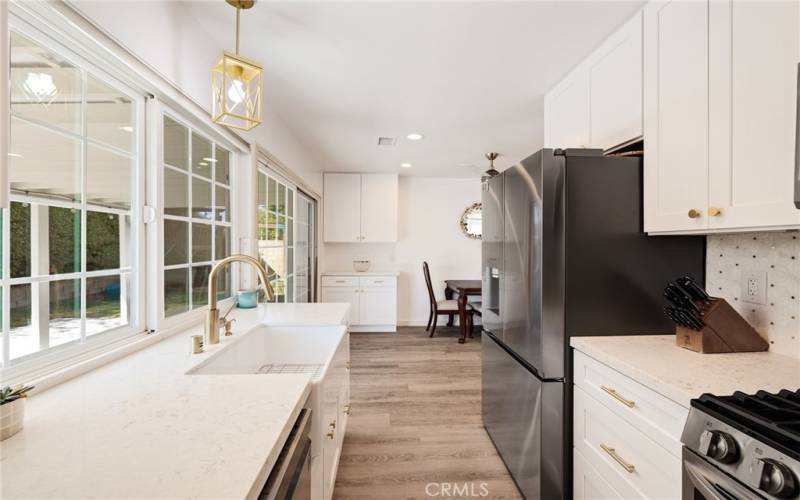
[[754, 287]]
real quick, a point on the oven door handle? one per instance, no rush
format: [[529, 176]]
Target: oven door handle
[[703, 485], [708, 485]]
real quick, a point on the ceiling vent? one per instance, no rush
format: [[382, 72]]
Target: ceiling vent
[[387, 141]]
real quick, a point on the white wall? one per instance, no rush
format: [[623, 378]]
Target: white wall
[[429, 211], [165, 36]]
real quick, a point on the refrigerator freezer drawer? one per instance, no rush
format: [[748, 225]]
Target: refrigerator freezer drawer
[[524, 418]]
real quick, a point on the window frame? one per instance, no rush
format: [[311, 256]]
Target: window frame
[[156, 113], [66, 354]]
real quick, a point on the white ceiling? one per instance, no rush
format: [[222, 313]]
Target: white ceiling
[[469, 76]]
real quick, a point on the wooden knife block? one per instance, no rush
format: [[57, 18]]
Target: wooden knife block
[[725, 331]]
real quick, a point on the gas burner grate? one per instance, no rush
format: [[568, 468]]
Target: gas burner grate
[[274, 368], [773, 418]]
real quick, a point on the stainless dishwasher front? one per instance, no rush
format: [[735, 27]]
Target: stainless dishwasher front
[[290, 478]]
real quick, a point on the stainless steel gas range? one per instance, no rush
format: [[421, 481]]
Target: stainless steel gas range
[[742, 447]]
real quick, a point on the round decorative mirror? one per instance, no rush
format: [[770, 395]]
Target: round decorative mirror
[[470, 222]]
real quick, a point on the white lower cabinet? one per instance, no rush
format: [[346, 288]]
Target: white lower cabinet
[[626, 437], [372, 299], [330, 406], [343, 295], [588, 483]]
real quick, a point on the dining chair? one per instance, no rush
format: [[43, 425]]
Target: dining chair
[[441, 307]]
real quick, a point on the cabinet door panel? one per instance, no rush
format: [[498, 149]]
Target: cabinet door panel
[[378, 306], [755, 50], [346, 296], [615, 76], [588, 484], [379, 207], [568, 112], [342, 207], [330, 446], [675, 114]]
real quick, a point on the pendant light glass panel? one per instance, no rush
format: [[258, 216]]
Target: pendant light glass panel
[[236, 86]]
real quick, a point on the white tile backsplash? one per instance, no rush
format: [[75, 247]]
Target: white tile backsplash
[[731, 256]]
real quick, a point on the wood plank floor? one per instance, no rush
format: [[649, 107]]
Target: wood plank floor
[[416, 420]]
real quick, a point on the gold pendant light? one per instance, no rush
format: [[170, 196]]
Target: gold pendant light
[[492, 157], [236, 84]]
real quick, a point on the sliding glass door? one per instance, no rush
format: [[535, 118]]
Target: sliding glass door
[[305, 245], [285, 225]]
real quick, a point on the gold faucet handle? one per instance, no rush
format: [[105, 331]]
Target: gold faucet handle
[[228, 326]]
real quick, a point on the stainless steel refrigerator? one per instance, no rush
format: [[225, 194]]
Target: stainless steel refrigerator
[[564, 255]]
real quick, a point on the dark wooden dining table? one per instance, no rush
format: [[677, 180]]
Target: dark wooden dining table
[[463, 288]]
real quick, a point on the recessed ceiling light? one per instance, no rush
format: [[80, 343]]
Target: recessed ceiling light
[[210, 160], [405, 165], [126, 128], [414, 136], [15, 155], [202, 164]]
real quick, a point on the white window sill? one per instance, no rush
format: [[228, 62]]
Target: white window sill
[[52, 374]]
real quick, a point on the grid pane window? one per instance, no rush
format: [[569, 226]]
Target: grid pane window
[[197, 216], [71, 226]]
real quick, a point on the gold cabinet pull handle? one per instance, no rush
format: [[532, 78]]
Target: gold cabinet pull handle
[[348, 365], [694, 214], [614, 394], [347, 409], [714, 212], [333, 424], [629, 468], [329, 435]]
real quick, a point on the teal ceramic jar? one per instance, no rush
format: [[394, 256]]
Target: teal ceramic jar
[[247, 299]]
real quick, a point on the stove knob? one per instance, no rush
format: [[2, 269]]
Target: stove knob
[[719, 445], [776, 478]]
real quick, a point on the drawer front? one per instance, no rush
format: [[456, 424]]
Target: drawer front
[[658, 417], [632, 463], [332, 281], [378, 281], [588, 483]]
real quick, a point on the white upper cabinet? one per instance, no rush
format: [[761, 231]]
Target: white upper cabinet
[[720, 93], [342, 207], [599, 104], [615, 84], [567, 112], [379, 207], [755, 50], [676, 115], [360, 208]]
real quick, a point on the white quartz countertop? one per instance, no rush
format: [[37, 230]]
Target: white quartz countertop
[[680, 374], [140, 427], [356, 273]]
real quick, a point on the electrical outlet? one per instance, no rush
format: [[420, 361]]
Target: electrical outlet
[[754, 287]]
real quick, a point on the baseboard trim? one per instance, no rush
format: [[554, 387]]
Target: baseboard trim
[[376, 329]]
